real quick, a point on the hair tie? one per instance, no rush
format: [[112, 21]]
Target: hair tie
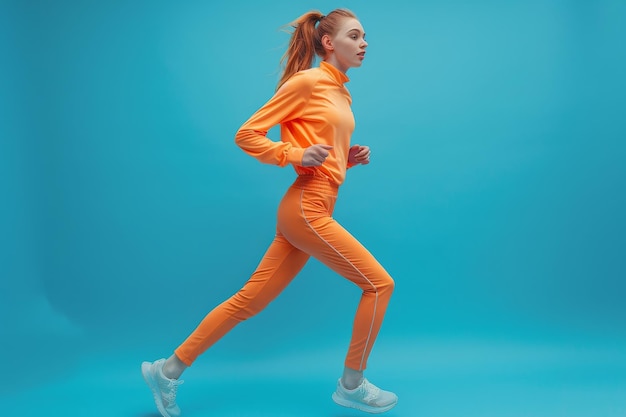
[[319, 20]]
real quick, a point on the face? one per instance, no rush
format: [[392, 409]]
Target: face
[[346, 49]]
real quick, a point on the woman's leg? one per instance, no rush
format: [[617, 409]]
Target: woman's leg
[[305, 220], [280, 264]]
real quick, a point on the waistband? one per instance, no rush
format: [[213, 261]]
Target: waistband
[[313, 182]]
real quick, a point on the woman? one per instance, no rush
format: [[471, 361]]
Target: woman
[[312, 107]]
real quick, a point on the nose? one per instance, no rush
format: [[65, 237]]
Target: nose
[[364, 44]]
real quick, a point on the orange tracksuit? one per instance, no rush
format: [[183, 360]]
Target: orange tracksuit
[[312, 107]]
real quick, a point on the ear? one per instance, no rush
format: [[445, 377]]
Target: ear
[[327, 43]]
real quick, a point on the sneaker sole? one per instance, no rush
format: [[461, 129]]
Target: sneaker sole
[[154, 387], [362, 407]]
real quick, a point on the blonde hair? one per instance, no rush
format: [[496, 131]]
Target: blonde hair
[[306, 40]]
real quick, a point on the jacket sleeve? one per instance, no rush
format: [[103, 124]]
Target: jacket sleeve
[[288, 103]]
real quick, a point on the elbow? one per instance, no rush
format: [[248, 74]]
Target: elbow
[[239, 137], [244, 137]]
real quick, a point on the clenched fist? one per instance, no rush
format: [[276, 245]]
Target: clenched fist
[[315, 155], [359, 155]]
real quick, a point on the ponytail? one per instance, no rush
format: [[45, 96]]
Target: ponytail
[[306, 40], [302, 45]]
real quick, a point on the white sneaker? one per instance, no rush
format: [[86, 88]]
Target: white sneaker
[[366, 397], [163, 388]]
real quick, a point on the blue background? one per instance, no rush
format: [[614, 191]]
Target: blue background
[[495, 198]]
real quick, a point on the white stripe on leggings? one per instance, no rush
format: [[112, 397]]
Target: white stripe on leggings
[[369, 335]]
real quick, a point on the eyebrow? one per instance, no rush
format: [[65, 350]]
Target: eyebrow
[[356, 30]]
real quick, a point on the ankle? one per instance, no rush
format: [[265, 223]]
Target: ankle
[[173, 368], [351, 378]]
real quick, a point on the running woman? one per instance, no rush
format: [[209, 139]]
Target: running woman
[[312, 107]]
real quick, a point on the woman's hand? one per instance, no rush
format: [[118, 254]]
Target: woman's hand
[[315, 155], [359, 155]]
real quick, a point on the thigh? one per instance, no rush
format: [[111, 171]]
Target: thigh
[[280, 264], [308, 225]]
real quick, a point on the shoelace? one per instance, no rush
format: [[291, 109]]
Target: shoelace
[[170, 395], [371, 391]]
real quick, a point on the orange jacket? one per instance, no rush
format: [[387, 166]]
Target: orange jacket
[[312, 107]]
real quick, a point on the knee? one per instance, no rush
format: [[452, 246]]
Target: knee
[[383, 286], [387, 285]]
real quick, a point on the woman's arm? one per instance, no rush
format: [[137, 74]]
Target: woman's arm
[[288, 103]]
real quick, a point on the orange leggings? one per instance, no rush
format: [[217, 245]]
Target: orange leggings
[[305, 228]]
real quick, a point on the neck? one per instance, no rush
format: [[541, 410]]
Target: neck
[[333, 61]]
